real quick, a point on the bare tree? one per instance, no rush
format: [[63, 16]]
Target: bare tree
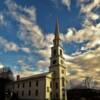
[[88, 82]]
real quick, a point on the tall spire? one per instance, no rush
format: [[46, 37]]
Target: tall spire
[[57, 30]]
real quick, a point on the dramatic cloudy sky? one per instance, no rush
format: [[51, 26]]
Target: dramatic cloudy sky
[[27, 30]]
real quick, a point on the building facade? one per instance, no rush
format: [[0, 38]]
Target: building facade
[[47, 86]]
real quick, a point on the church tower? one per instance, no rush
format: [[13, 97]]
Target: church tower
[[57, 67]]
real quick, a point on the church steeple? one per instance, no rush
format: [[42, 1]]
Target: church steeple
[[56, 40], [57, 30], [57, 67], [57, 50]]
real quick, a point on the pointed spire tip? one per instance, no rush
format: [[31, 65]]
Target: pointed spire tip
[[57, 29]]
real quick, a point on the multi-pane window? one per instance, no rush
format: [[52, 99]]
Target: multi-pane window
[[63, 95], [23, 85], [36, 93], [51, 84], [22, 93], [29, 92], [29, 84], [51, 94], [56, 85], [37, 83], [18, 85], [17, 93], [13, 86], [57, 94]]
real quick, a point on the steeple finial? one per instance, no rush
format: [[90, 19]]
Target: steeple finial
[[57, 29]]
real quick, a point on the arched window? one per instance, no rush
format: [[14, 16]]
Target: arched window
[[63, 81], [54, 62], [62, 62], [62, 71], [60, 52]]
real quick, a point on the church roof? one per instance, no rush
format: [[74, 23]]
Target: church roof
[[42, 75]]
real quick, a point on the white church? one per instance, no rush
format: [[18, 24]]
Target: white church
[[47, 86]]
